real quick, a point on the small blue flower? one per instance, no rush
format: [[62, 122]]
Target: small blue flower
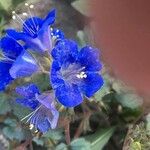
[[15, 62], [44, 115], [74, 73], [36, 33]]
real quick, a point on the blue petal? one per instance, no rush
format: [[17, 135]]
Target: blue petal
[[46, 99], [25, 65], [55, 77], [89, 58], [32, 25], [90, 85], [10, 47], [5, 77], [40, 44], [45, 118], [31, 103], [18, 35], [65, 51], [69, 95], [50, 18], [28, 91]]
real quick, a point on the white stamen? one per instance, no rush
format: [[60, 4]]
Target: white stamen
[[31, 6], [13, 17], [78, 76], [51, 29], [24, 14], [84, 76], [13, 12], [31, 126], [26, 4], [81, 75]]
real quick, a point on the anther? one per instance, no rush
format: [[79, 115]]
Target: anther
[[24, 14], [31, 6], [13, 12], [26, 4], [36, 131], [13, 17], [31, 126]]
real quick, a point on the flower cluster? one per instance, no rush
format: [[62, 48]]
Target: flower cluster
[[73, 72]]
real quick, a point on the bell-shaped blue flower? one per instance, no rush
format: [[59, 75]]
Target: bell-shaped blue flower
[[44, 115], [36, 33], [75, 73]]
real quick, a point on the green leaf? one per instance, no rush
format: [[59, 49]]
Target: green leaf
[[4, 104], [14, 133], [61, 146], [148, 123], [100, 138], [129, 100], [20, 111], [54, 134], [82, 7], [10, 122], [81, 144], [38, 141], [6, 4]]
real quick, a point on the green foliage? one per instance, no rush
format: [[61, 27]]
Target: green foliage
[[82, 6], [4, 104], [14, 131], [6, 4], [100, 138], [129, 100]]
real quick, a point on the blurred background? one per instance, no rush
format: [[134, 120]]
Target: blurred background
[[117, 117]]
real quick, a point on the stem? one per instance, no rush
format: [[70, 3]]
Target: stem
[[67, 132]]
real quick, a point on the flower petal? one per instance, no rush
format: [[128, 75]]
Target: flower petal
[[25, 65], [45, 118], [50, 18], [65, 51], [89, 58], [69, 95], [32, 25], [31, 103], [5, 77], [10, 47], [46, 99], [55, 77], [28, 91], [90, 85]]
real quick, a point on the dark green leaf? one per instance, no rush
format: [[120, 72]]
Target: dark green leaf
[[100, 138], [4, 104]]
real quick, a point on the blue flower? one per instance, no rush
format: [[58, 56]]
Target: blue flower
[[74, 73], [36, 33], [10, 50], [15, 62], [44, 115]]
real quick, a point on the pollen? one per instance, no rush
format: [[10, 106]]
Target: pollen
[[81, 75], [31, 6]]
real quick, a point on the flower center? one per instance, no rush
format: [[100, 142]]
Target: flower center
[[73, 73]]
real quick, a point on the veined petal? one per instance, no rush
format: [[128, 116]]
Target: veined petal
[[30, 103], [45, 118], [89, 58], [25, 65], [5, 77], [46, 99], [32, 25], [69, 95], [91, 84], [55, 77], [28, 91], [65, 51], [10, 47]]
